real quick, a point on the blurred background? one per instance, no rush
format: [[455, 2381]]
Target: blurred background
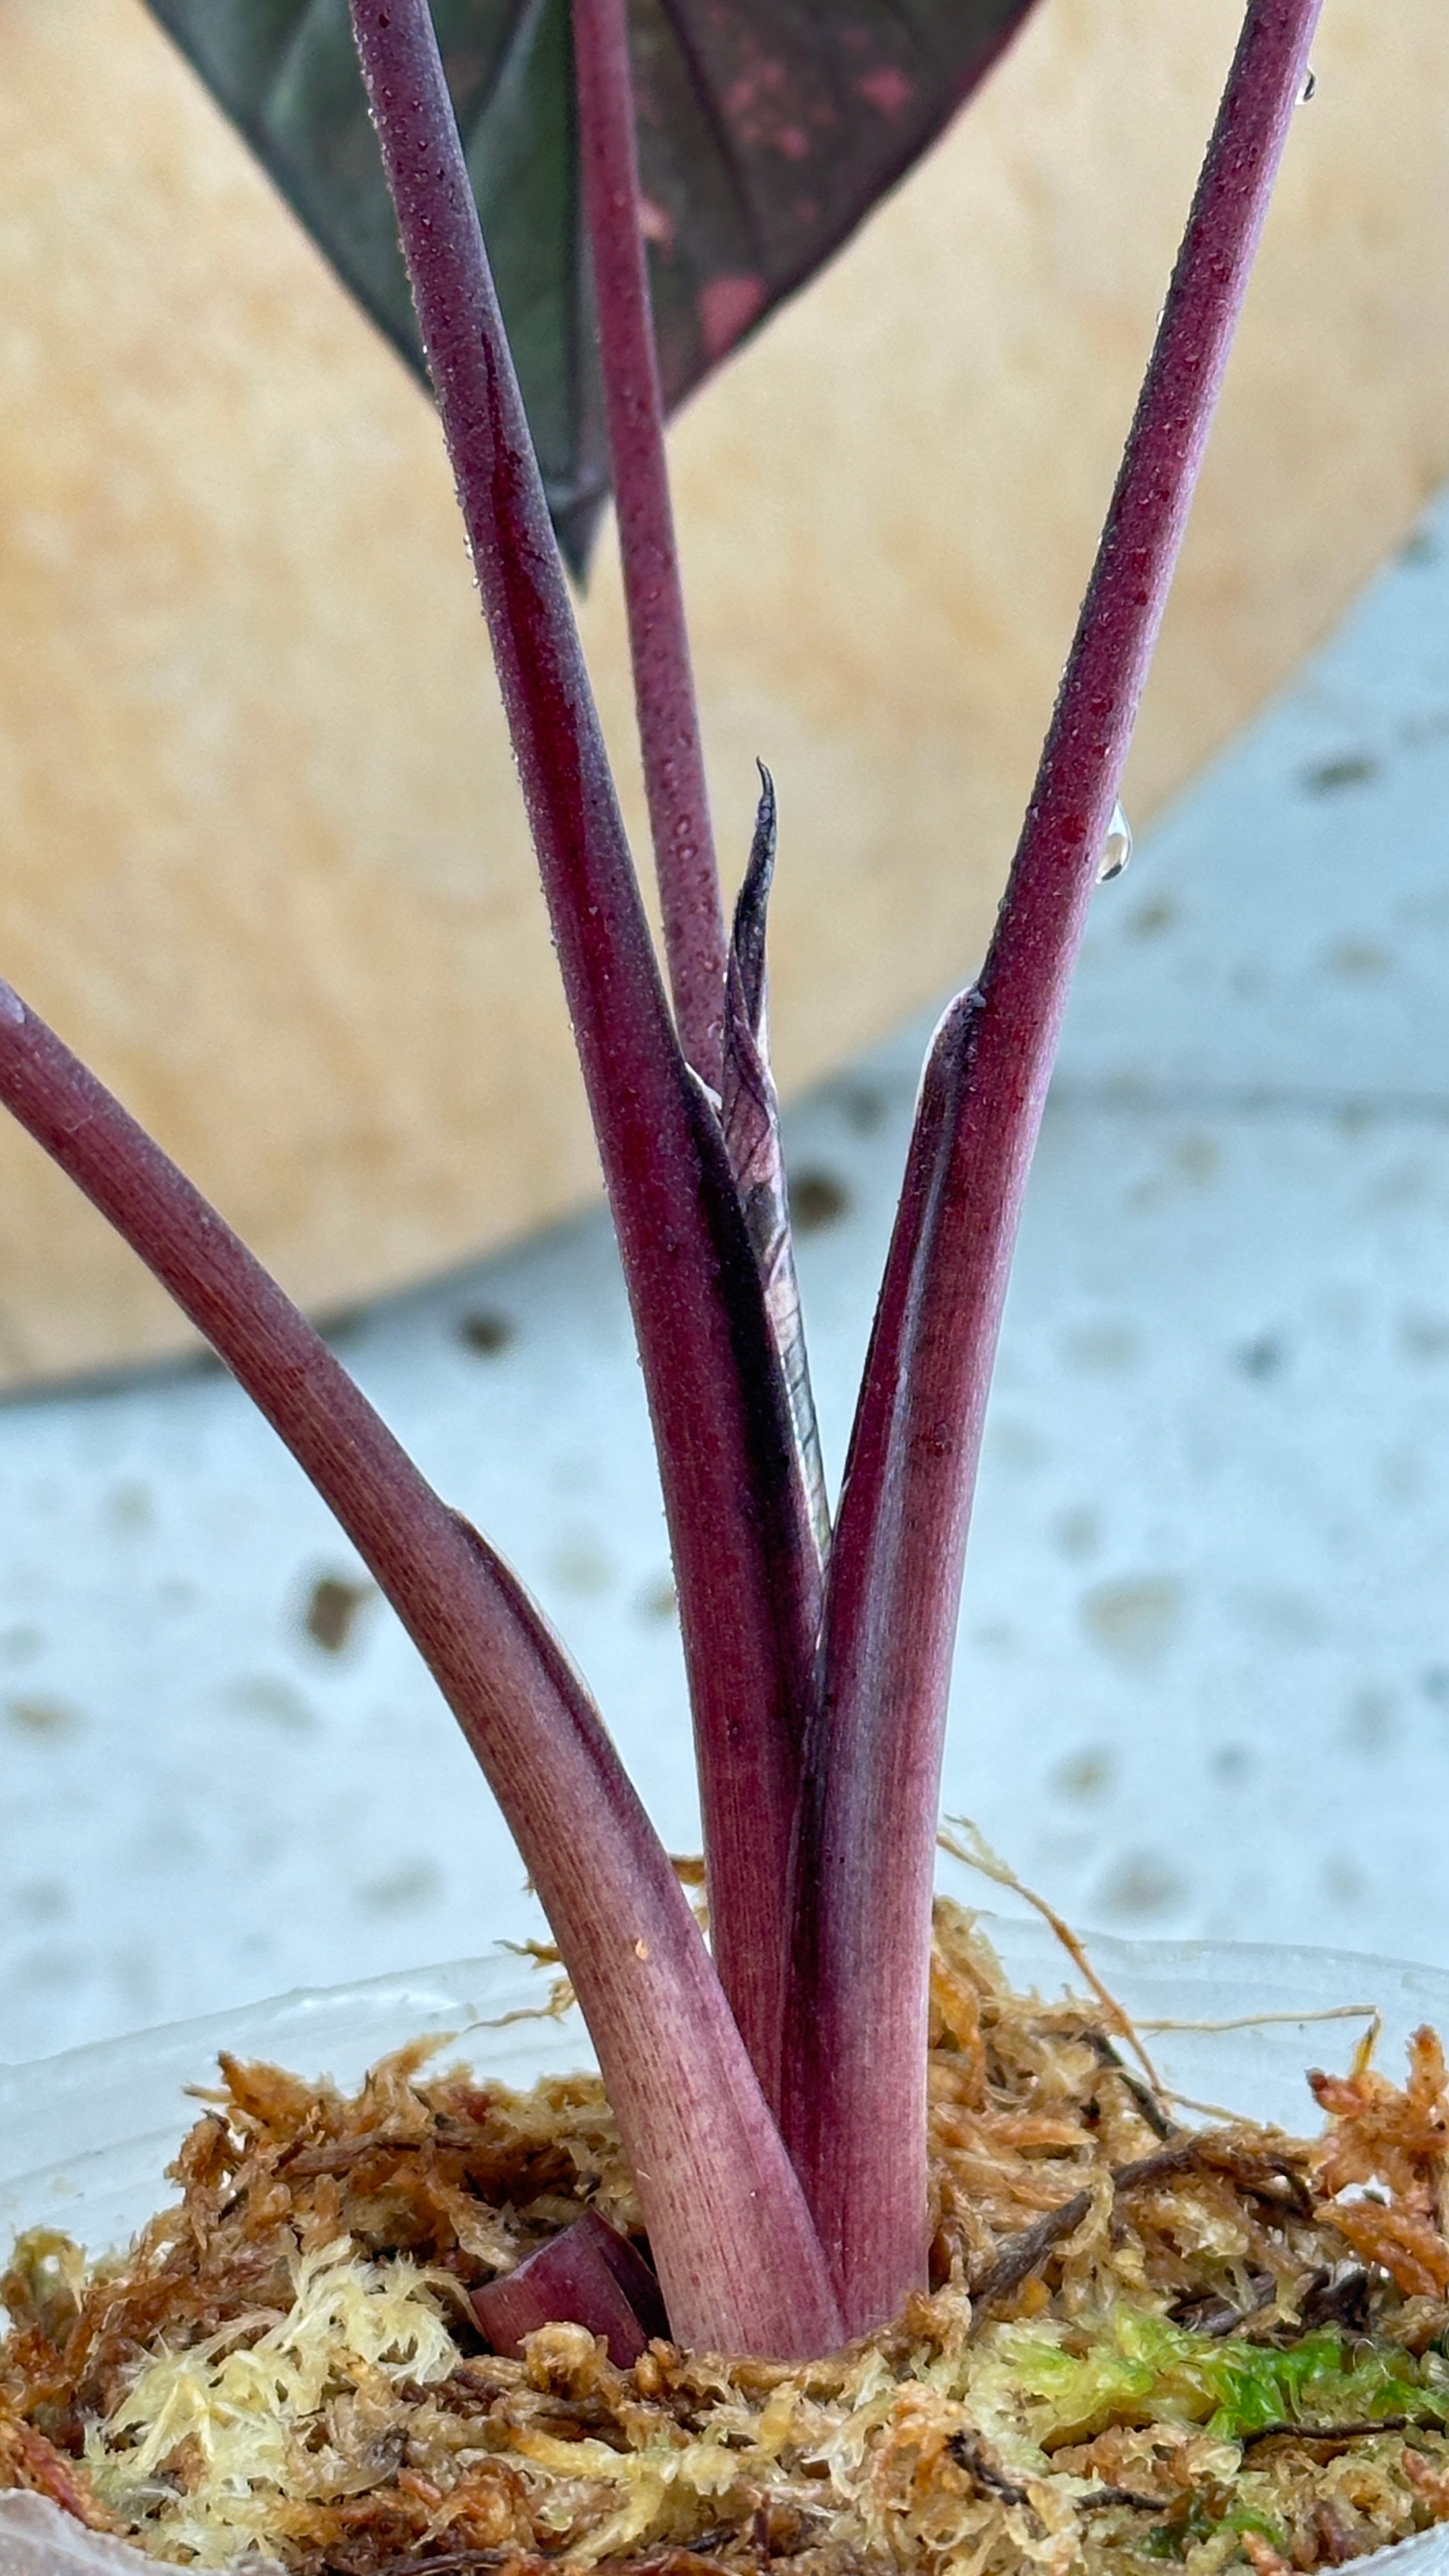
[[264, 866]]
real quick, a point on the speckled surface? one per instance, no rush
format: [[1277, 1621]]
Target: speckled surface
[[1203, 1682]]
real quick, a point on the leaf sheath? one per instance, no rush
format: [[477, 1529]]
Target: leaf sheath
[[863, 1921], [862, 1864], [747, 1591], [739, 2262]]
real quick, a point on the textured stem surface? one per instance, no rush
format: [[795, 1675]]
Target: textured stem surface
[[738, 2258], [748, 1592], [856, 2114], [669, 736]]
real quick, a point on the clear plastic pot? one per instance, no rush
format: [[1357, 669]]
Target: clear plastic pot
[[85, 2137]]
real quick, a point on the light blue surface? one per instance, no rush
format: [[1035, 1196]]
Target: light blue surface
[[1203, 1682]]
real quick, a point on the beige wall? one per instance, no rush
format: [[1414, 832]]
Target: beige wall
[[263, 856]]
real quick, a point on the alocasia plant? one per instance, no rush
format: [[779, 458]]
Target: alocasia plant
[[772, 2100]]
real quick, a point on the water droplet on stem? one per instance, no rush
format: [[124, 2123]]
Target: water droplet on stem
[[1116, 849]]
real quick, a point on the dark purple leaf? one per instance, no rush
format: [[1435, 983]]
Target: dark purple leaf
[[767, 130], [589, 2275]]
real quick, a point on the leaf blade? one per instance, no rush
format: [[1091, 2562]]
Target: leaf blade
[[767, 131]]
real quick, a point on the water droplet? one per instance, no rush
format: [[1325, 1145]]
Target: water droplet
[[1116, 849], [1310, 84], [11, 1007]]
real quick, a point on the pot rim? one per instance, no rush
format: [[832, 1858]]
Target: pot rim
[[85, 2135]]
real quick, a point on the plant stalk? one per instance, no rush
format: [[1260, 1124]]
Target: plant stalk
[[669, 735], [738, 2259], [748, 1587], [856, 2113]]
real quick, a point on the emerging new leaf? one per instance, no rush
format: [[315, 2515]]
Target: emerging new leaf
[[750, 1116]]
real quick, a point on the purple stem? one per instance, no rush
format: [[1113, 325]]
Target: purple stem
[[674, 780], [748, 1592], [856, 2117], [739, 2260], [866, 1784]]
